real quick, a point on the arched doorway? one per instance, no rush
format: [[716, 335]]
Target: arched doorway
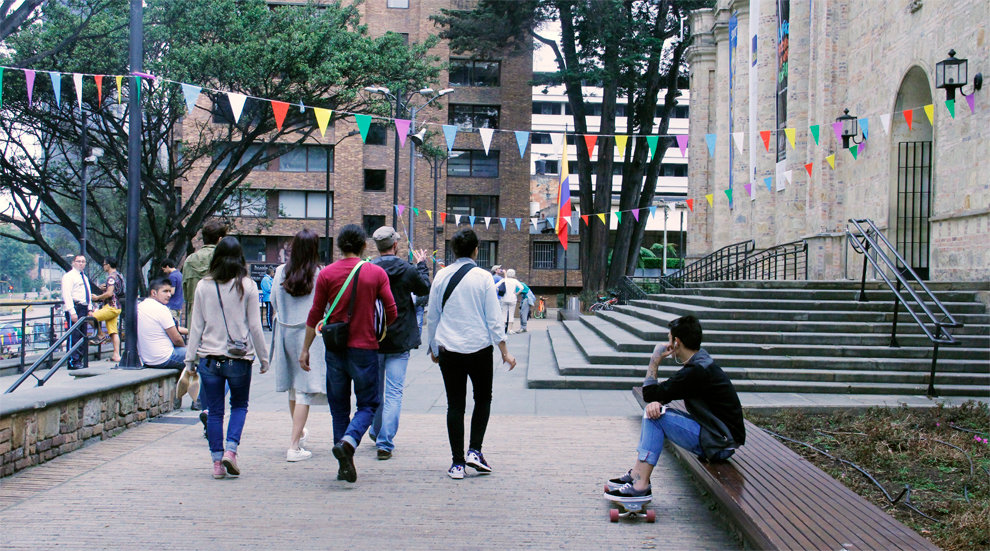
[[911, 173]]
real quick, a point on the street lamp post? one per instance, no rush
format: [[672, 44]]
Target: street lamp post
[[131, 359], [436, 165]]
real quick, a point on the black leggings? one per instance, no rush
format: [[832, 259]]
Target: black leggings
[[456, 368]]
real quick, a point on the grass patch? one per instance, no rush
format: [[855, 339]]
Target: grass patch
[[906, 447]]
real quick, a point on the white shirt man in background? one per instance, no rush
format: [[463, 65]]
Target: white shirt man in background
[[160, 343], [508, 300], [77, 302]]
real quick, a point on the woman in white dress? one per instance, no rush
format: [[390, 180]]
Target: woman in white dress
[[292, 298]]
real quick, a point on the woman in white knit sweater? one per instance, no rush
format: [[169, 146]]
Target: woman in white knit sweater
[[225, 336]]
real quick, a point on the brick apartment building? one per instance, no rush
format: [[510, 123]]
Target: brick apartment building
[[289, 194]]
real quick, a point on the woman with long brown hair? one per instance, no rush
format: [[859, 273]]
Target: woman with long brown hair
[[292, 298], [224, 337]]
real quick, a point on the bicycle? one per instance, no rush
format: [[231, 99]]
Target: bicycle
[[604, 303], [540, 311]]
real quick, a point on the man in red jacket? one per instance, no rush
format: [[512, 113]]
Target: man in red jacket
[[358, 364], [711, 428]]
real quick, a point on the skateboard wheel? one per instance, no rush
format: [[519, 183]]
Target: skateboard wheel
[[651, 516], [606, 488], [613, 515]]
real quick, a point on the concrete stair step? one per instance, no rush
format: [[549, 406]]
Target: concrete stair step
[[842, 285], [655, 331], [661, 318], [546, 346], [796, 303], [625, 341], [708, 313], [817, 294]]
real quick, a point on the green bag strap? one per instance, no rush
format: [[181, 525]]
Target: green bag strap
[[343, 288]]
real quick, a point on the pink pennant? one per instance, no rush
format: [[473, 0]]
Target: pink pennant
[[749, 189], [400, 208], [682, 142], [971, 100], [29, 75], [837, 126], [402, 129], [635, 213]]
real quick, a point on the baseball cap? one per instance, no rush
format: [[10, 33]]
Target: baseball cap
[[385, 237]]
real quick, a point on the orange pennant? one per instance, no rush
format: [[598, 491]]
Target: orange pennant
[[909, 117], [690, 203], [585, 218], [808, 168], [590, 142], [443, 217], [99, 88], [280, 108], [766, 139]]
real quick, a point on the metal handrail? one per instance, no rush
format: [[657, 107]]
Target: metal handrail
[[939, 336], [24, 305], [762, 264], [51, 350], [721, 264]]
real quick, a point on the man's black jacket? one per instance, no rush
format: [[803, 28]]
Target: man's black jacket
[[404, 279], [709, 397]]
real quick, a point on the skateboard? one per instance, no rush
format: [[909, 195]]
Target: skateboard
[[632, 509]]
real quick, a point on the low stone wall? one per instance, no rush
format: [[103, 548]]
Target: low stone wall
[[39, 424]]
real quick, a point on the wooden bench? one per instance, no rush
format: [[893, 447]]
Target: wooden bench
[[779, 500]]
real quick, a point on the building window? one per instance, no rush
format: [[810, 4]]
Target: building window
[[248, 154], [549, 255], [374, 180], [372, 222], [305, 158], [678, 112], [254, 248], [246, 203], [487, 254], [376, 135], [547, 108], [397, 3], [540, 138], [468, 117], [473, 163], [671, 169], [548, 167], [304, 204], [467, 72], [472, 205]]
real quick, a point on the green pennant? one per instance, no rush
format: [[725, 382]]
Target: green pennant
[[364, 123], [728, 193], [652, 140], [137, 80], [950, 104], [618, 214], [814, 132], [415, 211], [855, 152]]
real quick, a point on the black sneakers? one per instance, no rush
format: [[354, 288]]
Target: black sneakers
[[626, 493], [616, 483], [344, 452], [477, 461], [384, 454]]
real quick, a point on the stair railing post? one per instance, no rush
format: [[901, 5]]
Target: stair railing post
[[51, 333], [931, 377], [897, 305], [23, 336], [862, 283]]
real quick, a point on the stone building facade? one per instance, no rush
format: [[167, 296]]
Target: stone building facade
[[926, 188], [360, 175]]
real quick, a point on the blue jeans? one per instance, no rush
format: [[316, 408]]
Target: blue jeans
[[359, 366], [269, 313], [419, 318], [176, 361], [391, 380], [523, 314], [682, 430], [214, 376]]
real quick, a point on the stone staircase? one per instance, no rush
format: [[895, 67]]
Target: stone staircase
[[777, 336]]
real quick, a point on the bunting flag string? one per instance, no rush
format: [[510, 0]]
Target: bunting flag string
[[57, 88], [402, 130]]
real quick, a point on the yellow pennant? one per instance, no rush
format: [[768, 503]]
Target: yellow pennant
[[930, 111], [602, 216], [119, 81], [791, 134], [831, 161], [711, 198], [620, 143], [429, 214], [322, 119]]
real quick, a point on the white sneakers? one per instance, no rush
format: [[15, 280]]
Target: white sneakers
[[297, 455]]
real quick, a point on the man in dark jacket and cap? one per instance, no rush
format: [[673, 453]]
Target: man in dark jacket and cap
[[402, 336], [712, 428]]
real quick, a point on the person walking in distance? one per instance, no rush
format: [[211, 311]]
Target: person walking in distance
[[77, 302], [225, 336], [266, 294], [350, 288], [177, 302], [527, 300], [463, 324], [292, 298], [401, 337], [194, 269], [113, 294], [507, 289]]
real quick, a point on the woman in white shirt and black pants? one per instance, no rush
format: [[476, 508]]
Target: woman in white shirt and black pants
[[461, 334]]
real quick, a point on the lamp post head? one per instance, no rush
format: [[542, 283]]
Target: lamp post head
[[850, 128]]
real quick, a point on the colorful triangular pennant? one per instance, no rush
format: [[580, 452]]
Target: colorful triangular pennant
[[854, 151], [522, 139], [682, 143], [738, 138], [398, 208], [191, 94], [402, 130], [769, 181], [885, 123], [749, 189], [837, 126], [728, 193], [930, 112], [57, 87], [584, 217], [831, 160], [99, 88], [364, 125], [971, 100], [77, 81], [765, 136], [950, 104], [620, 143], [323, 119], [602, 218], [279, 109], [652, 142], [589, 141], [519, 224], [908, 117], [809, 168], [791, 134], [120, 84], [814, 132], [486, 137], [450, 134], [502, 220], [690, 204], [710, 140], [488, 222], [864, 125], [471, 219], [236, 101], [711, 199]]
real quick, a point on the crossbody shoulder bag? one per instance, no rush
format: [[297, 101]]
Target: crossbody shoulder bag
[[236, 349], [335, 335]]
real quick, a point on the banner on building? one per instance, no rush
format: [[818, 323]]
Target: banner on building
[[783, 39]]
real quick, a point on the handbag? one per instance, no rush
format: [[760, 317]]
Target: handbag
[[335, 335], [235, 349]]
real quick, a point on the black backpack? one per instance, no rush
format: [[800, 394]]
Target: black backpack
[[118, 288]]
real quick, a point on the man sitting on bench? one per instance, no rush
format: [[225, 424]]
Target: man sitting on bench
[[713, 426]]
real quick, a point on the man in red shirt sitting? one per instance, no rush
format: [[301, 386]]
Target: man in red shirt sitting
[[358, 364]]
